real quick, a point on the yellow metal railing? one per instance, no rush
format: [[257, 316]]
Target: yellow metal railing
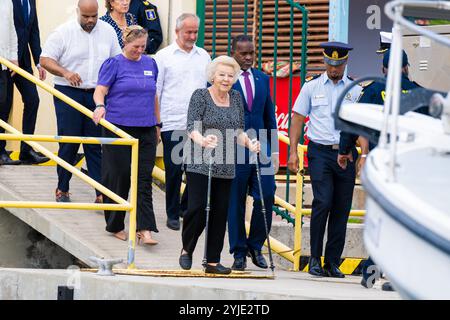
[[125, 139], [298, 210]]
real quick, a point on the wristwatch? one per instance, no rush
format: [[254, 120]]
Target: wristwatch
[[159, 124], [100, 106], [364, 155]]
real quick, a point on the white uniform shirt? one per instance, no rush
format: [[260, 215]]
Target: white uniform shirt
[[318, 99], [8, 35], [81, 52], [180, 74]]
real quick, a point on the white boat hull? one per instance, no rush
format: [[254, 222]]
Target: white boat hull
[[401, 237]]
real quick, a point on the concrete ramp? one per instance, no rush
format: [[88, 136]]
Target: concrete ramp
[[82, 233]]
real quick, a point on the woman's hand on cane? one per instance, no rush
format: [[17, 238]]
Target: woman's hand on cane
[[210, 141], [254, 145]]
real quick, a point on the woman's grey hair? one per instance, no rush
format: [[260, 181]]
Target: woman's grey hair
[[225, 61], [184, 16]]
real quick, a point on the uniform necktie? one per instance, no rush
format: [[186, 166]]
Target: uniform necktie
[[25, 11], [248, 90]]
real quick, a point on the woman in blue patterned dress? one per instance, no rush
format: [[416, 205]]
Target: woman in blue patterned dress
[[118, 17]]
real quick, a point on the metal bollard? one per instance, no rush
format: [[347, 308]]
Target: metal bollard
[[105, 265]]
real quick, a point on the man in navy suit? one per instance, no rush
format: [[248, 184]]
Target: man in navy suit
[[260, 123], [26, 24]]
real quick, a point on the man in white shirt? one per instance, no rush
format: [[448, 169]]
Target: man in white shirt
[[182, 70], [8, 50], [74, 53]]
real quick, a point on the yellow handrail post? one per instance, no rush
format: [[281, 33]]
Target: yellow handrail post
[[298, 212], [133, 202]]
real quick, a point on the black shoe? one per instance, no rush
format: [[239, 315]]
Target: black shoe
[[218, 269], [173, 224], [185, 261], [239, 264], [364, 283], [32, 157], [332, 270], [258, 259], [315, 267], [6, 160], [387, 286]]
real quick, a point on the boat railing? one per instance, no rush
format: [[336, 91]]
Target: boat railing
[[395, 10]]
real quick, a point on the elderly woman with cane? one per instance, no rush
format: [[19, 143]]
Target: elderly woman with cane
[[215, 124]]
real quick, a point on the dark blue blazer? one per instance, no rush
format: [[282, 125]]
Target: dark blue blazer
[[27, 35], [262, 115]]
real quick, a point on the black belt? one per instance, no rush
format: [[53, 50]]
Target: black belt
[[84, 90], [89, 90], [325, 146]]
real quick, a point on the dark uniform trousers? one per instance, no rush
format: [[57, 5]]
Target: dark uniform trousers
[[116, 172], [195, 219], [333, 191], [71, 122], [174, 172], [246, 180], [30, 99]]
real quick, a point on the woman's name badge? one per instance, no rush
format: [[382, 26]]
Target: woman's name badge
[[148, 73]]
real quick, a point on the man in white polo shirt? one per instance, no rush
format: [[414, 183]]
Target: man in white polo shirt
[[74, 53], [182, 69]]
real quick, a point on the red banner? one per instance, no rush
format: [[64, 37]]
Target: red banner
[[282, 110]]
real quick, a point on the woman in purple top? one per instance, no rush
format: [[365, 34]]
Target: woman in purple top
[[128, 81]]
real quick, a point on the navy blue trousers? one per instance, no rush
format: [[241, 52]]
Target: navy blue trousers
[[246, 180], [333, 192], [30, 100], [173, 142], [73, 123]]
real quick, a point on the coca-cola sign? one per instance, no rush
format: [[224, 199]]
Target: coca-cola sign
[[282, 109]]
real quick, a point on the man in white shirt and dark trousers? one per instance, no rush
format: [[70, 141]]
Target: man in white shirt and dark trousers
[[8, 50], [74, 53], [182, 70]]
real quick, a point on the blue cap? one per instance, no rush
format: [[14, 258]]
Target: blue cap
[[386, 59], [335, 53]]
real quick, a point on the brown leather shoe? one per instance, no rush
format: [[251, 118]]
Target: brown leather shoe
[[146, 238], [121, 235], [62, 196], [99, 199]]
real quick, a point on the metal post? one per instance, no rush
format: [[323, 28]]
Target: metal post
[[201, 11], [298, 213], [230, 24], [260, 19], [214, 35], [133, 202], [275, 54], [245, 16]]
